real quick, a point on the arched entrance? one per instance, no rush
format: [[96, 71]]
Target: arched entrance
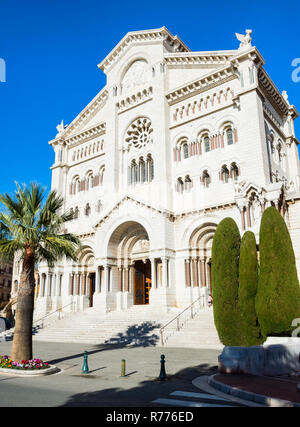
[[142, 282], [198, 268], [128, 252]]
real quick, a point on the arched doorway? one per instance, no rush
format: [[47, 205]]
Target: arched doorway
[[200, 247], [142, 282], [128, 252], [86, 277]]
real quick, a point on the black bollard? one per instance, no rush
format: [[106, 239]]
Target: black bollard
[[85, 368], [162, 375]]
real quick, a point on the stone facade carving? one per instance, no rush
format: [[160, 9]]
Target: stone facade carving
[[168, 118]]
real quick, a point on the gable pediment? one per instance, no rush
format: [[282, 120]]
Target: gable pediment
[[137, 203], [163, 35]]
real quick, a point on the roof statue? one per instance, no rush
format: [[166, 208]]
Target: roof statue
[[60, 128], [244, 39], [285, 96]]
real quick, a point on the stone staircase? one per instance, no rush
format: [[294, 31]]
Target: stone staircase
[[199, 332], [139, 325]]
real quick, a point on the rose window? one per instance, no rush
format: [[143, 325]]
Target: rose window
[[139, 133]]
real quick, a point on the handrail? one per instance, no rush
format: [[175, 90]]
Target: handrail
[[177, 318], [53, 312], [11, 330]]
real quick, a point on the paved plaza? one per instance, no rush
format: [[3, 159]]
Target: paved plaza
[[103, 386]]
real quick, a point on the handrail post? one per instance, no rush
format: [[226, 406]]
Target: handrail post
[[178, 326], [161, 338]]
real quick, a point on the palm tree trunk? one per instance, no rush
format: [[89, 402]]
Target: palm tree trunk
[[22, 342]]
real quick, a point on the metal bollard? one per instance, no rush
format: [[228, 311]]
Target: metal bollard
[[162, 375], [85, 368], [123, 368]]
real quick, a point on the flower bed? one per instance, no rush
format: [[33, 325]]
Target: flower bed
[[28, 365]]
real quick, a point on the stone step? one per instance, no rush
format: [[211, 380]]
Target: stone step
[[129, 326]]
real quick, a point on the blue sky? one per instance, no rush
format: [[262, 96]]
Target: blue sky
[[52, 48]]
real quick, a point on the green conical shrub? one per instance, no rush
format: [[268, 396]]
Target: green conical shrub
[[278, 296], [248, 281], [225, 254]]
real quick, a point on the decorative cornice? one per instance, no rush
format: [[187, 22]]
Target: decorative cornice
[[136, 99], [89, 111], [206, 59], [171, 216], [272, 93], [168, 214], [86, 135], [161, 34], [86, 235], [206, 82]]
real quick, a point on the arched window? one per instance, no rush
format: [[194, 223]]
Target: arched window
[[188, 183], [205, 179], [133, 173], [224, 174], [206, 143], [142, 170], [185, 150], [99, 206], [272, 145], [150, 168], [229, 136], [88, 210], [234, 171], [179, 185], [279, 152], [76, 213], [75, 185], [101, 175]]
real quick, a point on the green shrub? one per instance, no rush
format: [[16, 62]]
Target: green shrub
[[248, 281], [277, 301], [225, 254]]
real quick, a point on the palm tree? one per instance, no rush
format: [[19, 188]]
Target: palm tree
[[32, 227]]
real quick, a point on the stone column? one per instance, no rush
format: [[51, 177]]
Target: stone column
[[84, 283], [165, 272], [153, 273], [47, 285], [243, 218], [187, 273], [78, 284], [203, 273], [195, 272], [106, 278], [208, 269], [126, 278], [98, 283], [248, 216], [120, 279], [71, 290]]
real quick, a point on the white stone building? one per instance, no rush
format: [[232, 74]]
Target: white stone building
[[175, 142]]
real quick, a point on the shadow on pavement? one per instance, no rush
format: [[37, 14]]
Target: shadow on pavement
[[145, 393], [135, 336]]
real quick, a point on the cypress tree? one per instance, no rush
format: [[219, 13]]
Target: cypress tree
[[278, 297], [225, 254], [248, 282]]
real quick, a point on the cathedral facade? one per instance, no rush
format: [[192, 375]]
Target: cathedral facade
[[175, 142]]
